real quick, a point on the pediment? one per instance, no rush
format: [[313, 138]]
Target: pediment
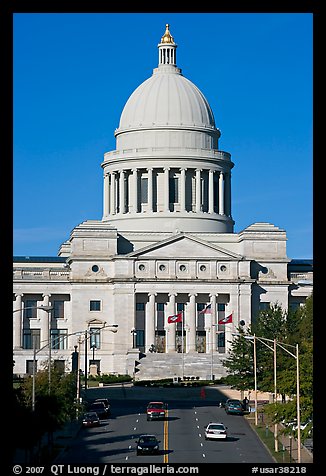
[[185, 247]]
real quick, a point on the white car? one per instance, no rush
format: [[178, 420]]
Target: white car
[[216, 431]]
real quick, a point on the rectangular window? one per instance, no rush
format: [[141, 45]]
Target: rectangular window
[[294, 306], [160, 317], [144, 190], [264, 306], [220, 306], [30, 311], [140, 338], [95, 338], [58, 311], [94, 305], [59, 339], [180, 308], [31, 337], [221, 339], [140, 306], [29, 366]]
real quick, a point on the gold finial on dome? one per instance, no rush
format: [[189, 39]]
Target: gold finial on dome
[[167, 37]]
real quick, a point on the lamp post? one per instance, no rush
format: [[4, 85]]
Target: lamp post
[[47, 309], [253, 338], [94, 349], [112, 328], [134, 334], [296, 357]]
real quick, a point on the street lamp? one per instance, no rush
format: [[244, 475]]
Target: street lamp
[[273, 349], [112, 328], [253, 338], [47, 309], [94, 349], [296, 357], [134, 334]]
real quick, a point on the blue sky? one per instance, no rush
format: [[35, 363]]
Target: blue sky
[[73, 73]]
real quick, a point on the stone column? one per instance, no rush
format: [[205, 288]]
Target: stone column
[[150, 189], [211, 191], [166, 190], [191, 323], [150, 322], [198, 191], [169, 328], [228, 194], [183, 190], [214, 326], [172, 327], [221, 194], [122, 192], [112, 194], [106, 209], [17, 324], [135, 190]]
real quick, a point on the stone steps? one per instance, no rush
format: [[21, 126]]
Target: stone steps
[[158, 366]]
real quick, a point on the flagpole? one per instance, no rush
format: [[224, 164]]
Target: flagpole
[[182, 349]]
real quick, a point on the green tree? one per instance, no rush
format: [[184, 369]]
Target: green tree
[[239, 364], [301, 325], [288, 328], [52, 409]]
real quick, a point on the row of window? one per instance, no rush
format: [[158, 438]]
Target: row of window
[[59, 341], [31, 305], [95, 305]]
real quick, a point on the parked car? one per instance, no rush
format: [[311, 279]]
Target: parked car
[[216, 431], [155, 411], [106, 404], [233, 406], [99, 408], [148, 444], [90, 419]]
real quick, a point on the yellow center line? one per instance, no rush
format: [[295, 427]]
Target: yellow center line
[[166, 437]]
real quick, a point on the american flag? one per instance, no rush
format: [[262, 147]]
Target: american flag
[[207, 309]]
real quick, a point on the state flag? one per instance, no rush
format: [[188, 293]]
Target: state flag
[[175, 318], [226, 320], [207, 310]]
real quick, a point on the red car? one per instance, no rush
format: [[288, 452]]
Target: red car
[[156, 411]]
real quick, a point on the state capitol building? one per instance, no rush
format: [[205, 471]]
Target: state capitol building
[[165, 246]]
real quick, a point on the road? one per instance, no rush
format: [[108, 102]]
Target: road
[[181, 435]]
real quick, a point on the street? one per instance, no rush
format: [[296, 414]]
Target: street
[[181, 434]]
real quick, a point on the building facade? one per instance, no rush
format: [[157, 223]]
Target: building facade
[[165, 246]]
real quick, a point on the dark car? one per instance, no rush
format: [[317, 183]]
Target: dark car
[[234, 406], [106, 404], [148, 444], [99, 408], [90, 419]]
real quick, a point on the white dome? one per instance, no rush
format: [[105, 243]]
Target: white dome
[[166, 99]]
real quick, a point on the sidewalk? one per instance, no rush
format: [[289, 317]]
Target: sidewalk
[[40, 454], [62, 439], [289, 443]]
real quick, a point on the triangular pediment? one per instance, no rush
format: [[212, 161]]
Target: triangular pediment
[[182, 246]]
